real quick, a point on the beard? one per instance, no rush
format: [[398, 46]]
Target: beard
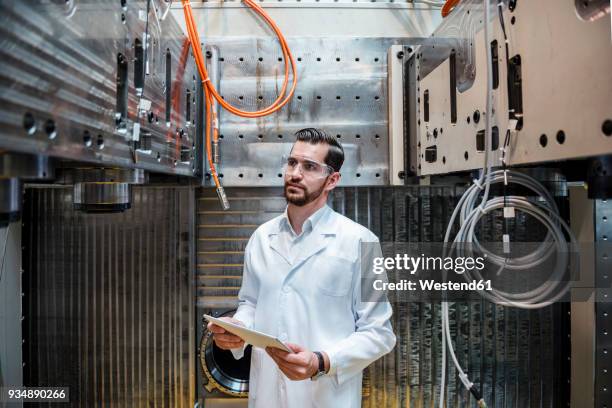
[[303, 196]]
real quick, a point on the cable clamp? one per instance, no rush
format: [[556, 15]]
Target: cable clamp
[[478, 184], [466, 381], [512, 123], [215, 152], [206, 80], [505, 177], [506, 243]]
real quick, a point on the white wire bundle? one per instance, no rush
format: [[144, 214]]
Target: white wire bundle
[[555, 242], [470, 211], [466, 242]]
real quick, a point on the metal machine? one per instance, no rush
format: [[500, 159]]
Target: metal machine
[[107, 83], [547, 105], [141, 146]]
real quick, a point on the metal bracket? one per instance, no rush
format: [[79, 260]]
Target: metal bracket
[[603, 306]]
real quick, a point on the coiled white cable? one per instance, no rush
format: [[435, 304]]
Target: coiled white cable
[[555, 243], [470, 211], [446, 337]]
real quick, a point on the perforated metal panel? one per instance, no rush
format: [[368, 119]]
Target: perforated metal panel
[[342, 89], [603, 307], [315, 18]]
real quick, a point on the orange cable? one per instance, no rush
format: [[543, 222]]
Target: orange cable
[[448, 7], [211, 92], [282, 99], [213, 169]]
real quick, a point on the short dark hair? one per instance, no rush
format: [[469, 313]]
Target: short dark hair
[[335, 154]]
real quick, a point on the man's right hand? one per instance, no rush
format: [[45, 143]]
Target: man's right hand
[[224, 339]]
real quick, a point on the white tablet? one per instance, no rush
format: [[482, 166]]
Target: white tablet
[[252, 337]]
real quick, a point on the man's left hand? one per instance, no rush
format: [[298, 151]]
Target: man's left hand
[[299, 365]]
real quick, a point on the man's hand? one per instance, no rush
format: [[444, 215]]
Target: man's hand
[[224, 339], [300, 365]]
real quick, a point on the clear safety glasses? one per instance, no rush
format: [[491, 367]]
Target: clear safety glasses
[[307, 167]]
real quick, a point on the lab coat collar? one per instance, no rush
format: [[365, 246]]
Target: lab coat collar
[[322, 230], [320, 221]]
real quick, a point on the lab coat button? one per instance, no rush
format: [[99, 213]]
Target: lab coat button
[[286, 289]]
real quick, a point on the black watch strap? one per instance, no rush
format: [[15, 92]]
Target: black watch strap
[[321, 361]]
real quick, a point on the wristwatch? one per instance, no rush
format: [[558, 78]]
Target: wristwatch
[[321, 370]]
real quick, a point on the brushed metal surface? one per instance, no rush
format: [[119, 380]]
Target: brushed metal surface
[[566, 86], [342, 89], [26, 166], [108, 298], [395, 86], [60, 83], [222, 236], [583, 315], [512, 354], [10, 199], [315, 18], [99, 195], [603, 305], [85, 174]]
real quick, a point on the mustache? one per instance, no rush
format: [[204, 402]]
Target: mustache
[[294, 185]]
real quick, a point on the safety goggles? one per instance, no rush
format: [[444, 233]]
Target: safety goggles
[[307, 167]]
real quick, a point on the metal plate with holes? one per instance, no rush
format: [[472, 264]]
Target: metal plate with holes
[[603, 307], [395, 62], [566, 87], [314, 18], [71, 75], [342, 89]]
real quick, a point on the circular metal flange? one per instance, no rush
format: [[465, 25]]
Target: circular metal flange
[[73, 175], [223, 371], [102, 197], [101, 189]]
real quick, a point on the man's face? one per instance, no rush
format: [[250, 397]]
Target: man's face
[[301, 187]]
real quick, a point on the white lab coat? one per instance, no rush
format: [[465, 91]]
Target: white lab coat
[[311, 297]]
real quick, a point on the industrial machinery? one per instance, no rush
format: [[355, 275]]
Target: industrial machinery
[[141, 146]]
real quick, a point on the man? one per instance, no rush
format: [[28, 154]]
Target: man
[[301, 283]]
